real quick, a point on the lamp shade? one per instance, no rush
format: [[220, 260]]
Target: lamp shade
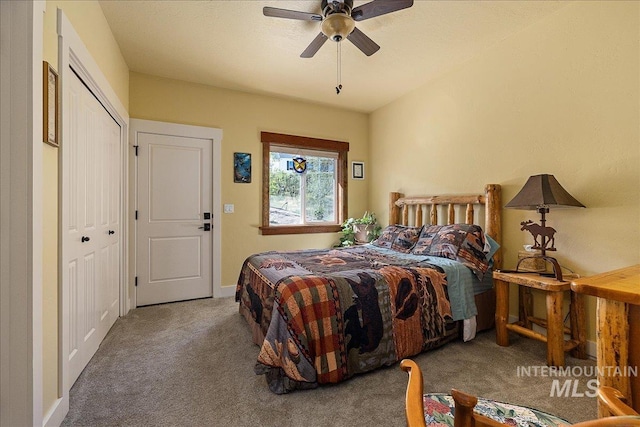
[[543, 191]]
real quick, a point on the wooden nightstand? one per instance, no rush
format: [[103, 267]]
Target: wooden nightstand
[[618, 323], [554, 289]]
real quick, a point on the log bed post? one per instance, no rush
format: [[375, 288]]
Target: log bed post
[[493, 226], [394, 210]]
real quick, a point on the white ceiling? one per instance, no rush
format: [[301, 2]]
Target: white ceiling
[[230, 44]]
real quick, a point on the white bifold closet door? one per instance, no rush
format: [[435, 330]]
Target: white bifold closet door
[[92, 229]]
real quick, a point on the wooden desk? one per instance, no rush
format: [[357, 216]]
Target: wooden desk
[[554, 289], [618, 328]]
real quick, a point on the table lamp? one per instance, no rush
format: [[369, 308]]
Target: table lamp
[[540, 193]]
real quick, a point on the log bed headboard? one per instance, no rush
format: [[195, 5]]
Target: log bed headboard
[[402, 208]]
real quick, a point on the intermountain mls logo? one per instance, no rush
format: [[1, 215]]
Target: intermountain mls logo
[[575, 381]]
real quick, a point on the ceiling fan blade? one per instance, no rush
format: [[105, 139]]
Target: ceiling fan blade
[[362, 42], [315, 45], [378, 7], [290, 14]]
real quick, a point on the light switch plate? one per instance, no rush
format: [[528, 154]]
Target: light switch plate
[[228, 208]]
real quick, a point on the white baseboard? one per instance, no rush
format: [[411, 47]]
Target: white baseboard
[[226, 291], [56, 414], [590, 345]]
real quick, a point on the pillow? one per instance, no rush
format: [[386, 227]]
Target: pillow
[[493, 248], [398, 237], [464, 243]]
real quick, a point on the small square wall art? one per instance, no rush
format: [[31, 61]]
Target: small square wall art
[[357, 170]]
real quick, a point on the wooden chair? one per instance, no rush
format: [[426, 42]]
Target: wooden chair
[[465, 403]]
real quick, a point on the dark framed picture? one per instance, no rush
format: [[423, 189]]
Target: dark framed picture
[[50, 105], [242, 167], [357, 170]]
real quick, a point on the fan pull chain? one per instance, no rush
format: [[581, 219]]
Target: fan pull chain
[[339, 70]]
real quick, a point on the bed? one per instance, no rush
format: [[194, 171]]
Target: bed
[[322, 316]]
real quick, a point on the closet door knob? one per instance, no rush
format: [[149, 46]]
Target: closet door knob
[[85, 239], [111, 232]]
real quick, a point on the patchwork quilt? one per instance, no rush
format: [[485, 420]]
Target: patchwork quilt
[[322, 316]]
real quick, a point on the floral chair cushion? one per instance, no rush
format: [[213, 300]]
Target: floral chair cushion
[[439, 408]]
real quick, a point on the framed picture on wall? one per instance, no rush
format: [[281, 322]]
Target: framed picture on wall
[[242, 167], [357, 170], [50, 105]]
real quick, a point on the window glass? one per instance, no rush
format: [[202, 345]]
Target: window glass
[[302, 197]]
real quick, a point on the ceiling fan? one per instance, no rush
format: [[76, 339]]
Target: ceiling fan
[[338, 21]]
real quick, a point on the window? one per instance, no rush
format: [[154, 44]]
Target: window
[[302, 198], [304, 184]]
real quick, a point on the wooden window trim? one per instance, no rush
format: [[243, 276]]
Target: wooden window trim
[[268, 139], [299, 229]]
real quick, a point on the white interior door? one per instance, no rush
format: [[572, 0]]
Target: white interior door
[[174, 225], [92, 227]]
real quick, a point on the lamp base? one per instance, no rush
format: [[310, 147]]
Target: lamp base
[[532, 264], [557, 271]]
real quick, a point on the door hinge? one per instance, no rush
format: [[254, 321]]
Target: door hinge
[[136, 281], [136, 147], [136, 218]]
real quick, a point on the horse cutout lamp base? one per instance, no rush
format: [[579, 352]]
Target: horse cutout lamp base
[[540, 193]]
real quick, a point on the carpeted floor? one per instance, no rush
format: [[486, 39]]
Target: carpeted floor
[[191, 364]]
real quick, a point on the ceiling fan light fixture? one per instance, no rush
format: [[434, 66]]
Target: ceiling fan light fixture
[[337, 26]]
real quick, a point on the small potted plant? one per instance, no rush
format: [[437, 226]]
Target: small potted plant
[[360, 230]]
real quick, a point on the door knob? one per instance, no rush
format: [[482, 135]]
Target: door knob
[[85, 239], [111, 232], [205, 227]]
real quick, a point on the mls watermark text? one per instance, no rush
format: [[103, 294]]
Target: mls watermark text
[[575, 381]]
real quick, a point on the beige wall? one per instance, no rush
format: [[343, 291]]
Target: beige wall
[[90, 24], [242, 116], [561, 97]]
